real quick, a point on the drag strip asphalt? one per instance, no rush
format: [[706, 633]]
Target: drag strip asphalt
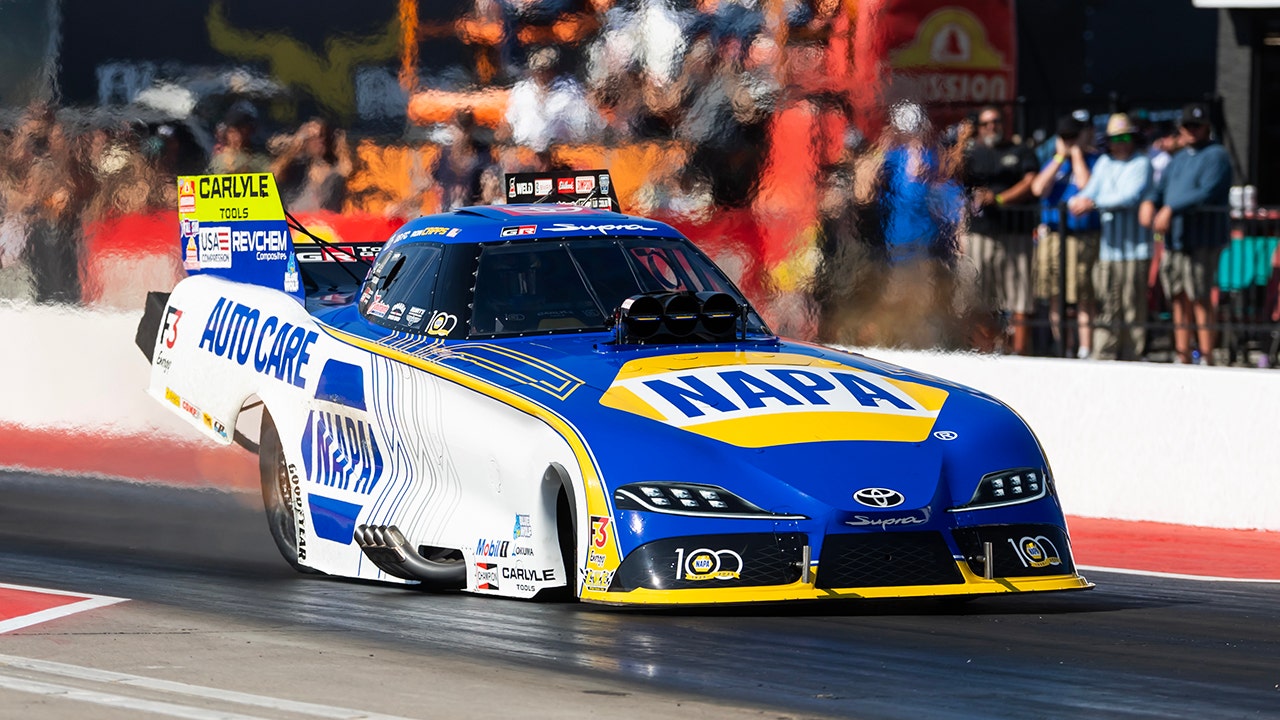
[[1134, 647]]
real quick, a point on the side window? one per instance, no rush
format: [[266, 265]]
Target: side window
[[399, 290]]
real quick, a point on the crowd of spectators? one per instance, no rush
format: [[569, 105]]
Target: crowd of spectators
[[919, 241]]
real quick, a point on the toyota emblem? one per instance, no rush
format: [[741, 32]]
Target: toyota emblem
[[879, 497]]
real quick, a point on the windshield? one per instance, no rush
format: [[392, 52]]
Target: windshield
[[575, 286]]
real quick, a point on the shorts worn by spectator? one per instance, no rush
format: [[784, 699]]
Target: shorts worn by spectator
[[1192, 189], [1119, 181], [1059, 180], [998, 174]]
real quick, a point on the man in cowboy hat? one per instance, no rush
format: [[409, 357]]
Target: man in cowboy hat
[[1198, 177], [1119, 180]]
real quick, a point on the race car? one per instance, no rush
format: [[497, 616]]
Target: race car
[[557, 399]]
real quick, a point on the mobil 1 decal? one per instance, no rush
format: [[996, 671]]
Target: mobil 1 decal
[[765, 399]]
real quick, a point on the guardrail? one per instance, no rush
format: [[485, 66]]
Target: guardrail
[[1246, 282]]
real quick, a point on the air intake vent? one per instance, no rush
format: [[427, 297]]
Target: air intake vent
[[886, 559]]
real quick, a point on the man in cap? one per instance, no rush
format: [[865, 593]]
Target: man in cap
[[1059, 180], [1118, 182], [1198, 178], [997, 175]]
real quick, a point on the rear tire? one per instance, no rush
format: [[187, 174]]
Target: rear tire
[[278, 497]]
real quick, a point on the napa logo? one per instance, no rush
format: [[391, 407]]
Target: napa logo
[[760, 399], [341, 451], [339, 447]]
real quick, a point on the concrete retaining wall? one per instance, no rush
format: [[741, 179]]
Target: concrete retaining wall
[[1129, 441]]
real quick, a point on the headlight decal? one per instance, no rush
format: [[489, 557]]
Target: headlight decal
[[1008, 487], [691, 499]]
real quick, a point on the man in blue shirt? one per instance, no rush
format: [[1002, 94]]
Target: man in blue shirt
[[1119, 181], [1191, 197], [1058, 181]]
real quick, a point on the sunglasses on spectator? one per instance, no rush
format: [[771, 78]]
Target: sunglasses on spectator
[[989, 123], [1126, 137]]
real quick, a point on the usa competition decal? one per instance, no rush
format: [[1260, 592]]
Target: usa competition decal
[[761, 399]]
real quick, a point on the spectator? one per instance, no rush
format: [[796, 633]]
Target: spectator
[[997, 174], [1164, 143], [1197, 181], [235, 152], [313, 167], [727, 117], [15, 276], [547, 108], [914, 210], [1059, 180], [461, 163], [916, 207], [1117, 185]]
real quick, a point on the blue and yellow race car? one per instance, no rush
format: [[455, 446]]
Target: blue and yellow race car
[[559, 399]]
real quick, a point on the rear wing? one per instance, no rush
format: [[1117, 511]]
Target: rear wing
[[234, 226]]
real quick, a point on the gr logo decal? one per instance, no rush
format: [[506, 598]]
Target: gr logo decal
[[707, 564], [946, 435], [879, 497]]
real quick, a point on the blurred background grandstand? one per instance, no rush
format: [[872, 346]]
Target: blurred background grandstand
[[748, 124]]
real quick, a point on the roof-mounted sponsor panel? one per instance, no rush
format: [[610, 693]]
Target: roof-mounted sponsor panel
[[584, 188]]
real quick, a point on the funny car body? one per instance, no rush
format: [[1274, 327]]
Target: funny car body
[[558, 399]]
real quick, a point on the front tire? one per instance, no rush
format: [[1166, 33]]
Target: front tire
[[279, 498]]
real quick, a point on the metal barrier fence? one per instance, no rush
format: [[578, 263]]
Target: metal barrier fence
[[1245, 279]]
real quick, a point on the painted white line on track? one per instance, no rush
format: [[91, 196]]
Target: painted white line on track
[[1173, 576], [88, 603], [196, 691], [117, 701]]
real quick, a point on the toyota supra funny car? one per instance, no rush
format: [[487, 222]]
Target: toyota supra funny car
[[550, 398]]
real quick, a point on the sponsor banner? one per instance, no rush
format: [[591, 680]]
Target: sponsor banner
[[588, 188], [234, 226], [761, 400], [962, 52]]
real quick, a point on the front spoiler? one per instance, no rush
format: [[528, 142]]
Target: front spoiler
[[801, 590]]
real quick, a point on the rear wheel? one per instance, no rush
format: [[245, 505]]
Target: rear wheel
[[279, 496]]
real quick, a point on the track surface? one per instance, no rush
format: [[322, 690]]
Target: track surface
[[1135, 647]]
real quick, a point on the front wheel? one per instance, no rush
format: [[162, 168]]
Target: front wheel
[[280, 496]]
